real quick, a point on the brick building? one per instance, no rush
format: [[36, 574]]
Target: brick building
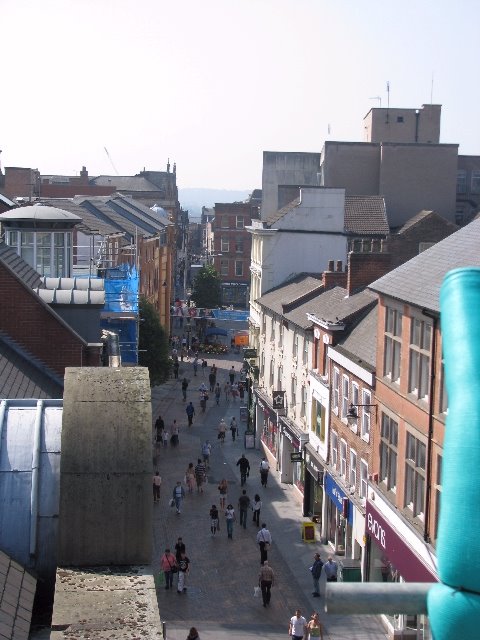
[[231, 250]]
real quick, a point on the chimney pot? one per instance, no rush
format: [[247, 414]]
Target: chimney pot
[[330, 265], [339, 265]]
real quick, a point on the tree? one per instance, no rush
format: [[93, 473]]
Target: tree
[[207, 292], [153, 344]]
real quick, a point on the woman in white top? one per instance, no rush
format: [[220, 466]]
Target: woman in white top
[[256, 506], [230, 517]]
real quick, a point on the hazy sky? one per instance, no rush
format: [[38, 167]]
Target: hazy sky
[[211, 84]]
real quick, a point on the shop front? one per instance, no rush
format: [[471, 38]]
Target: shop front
[[392, 558], [338, 517], [313, 493], [266, 422], [292, 442]]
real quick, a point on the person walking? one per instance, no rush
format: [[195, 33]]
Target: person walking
[[179, 549], [184, 389], [212, 378], [230, 518], [265, 582], [316, 570], [183, 570], [241, 390], [190, 477], [222, 430], [206, 451], [176, 367], [222, 490], [178, 494], [234, 391], [244, 465], [157, 482], [243, 504], [214, 520], [233, 428], [193, 634], [331, 569], [168, 565], [204, 367], [203, 401], [195, 365], [200, 473], [256, 507], [231, 375], [175, 434], [297, 625], [264, 469], [166, 436], [190, 411], [314, 628], [226, 390], [218, 393], [159, 427], [264, 540]]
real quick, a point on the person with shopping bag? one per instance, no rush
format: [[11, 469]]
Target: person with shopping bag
[[168, 564]]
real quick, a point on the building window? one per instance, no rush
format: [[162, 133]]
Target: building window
[[224, 244], [388, 452], [264, 325], [345, 396], [239, 244], [240, 222], [415, 475], [293, 392], [443, 391], [303, 409], [239, 268], [272, 332], [419, 367], [399, 118], [438, 494], [461, 181], [334, 449], [343, 458], [352, 478], [295, 345], [392, 344], [336, 390], [224, 267], [366, 416], [279, 378], [262, 364], [355, 394], [363, 479], [272, 368], [305, 351], [475, 183], [224, 222], [280, 335]]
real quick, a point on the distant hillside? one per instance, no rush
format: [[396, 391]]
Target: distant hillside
[[195, 199]]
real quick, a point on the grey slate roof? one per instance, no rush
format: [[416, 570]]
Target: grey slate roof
[[366, 215], [420, 217], [360, 345], [418, 281], [335, 306], [363, 216], [126, 183], [287, 293], [24, 377], [22, 270]]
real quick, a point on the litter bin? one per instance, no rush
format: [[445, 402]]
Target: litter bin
[[351, 574]]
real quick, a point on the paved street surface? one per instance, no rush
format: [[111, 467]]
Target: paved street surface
[[219, 600]]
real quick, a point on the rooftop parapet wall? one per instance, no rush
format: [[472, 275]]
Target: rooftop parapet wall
[[106, 467]]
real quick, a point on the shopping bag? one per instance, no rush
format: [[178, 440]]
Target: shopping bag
[[256, 592], [172, 502]]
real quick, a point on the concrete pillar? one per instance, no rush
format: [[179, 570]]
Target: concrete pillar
[[106, 467]]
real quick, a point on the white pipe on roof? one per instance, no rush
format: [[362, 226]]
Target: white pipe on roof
[[37, 430]]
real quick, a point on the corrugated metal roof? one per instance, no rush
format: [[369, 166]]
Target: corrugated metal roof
[[29, 505], [418, 281]]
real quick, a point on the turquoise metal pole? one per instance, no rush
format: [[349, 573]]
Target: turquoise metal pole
[[454, 604]]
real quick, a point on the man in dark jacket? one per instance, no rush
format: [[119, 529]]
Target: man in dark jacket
[[316, 570], [244, 465]]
